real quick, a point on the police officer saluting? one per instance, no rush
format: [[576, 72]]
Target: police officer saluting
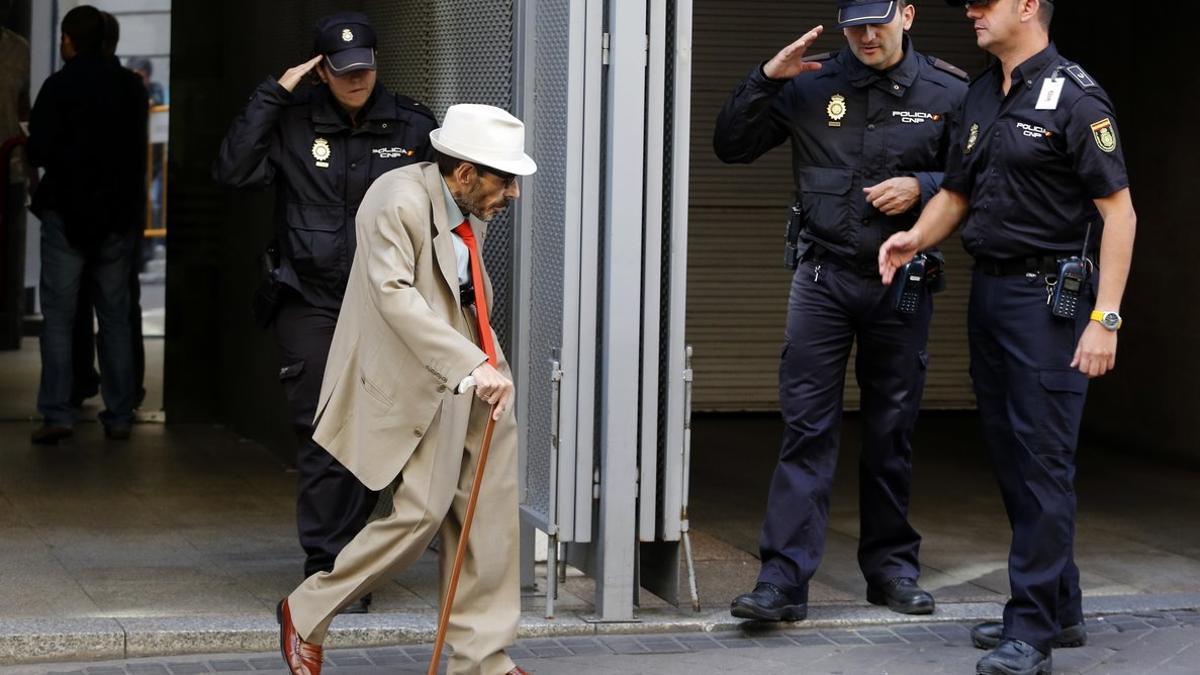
[[869, 137], [1037, 173], [321, 147]]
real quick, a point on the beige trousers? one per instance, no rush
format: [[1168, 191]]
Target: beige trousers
[[431, 497]]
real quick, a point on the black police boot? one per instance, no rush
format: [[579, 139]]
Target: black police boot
[[767, 602], [989, 634], [901, 594], [1014, 657]]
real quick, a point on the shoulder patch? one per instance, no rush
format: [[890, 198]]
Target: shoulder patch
[[416, 106], [946, 66], [1079, 75], [823, 56]]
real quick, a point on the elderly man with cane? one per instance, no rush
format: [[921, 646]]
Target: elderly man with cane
[[412, 336]]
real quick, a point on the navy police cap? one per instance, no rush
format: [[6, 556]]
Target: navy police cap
[[347, 41], [863, 12]]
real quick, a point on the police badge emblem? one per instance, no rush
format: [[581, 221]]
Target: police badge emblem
[[321, 152], [347, 36], [836, 110], [1102, 131], [972, 139]]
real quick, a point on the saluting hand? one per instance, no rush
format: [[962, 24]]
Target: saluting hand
[[292, 77], [896, 252], [789, 62], [894, 195], [493, 387]]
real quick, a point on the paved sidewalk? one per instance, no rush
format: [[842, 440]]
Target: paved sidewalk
[[183, 539], [1161, 642]]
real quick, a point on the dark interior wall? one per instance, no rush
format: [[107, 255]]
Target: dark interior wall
[[1143, 59], [220, 367]]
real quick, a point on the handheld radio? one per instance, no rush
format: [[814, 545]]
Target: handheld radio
[[908, 284], [1072, 274]]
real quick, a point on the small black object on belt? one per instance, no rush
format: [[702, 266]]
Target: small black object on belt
[[466, 294], [1008, 267], [862, 265]]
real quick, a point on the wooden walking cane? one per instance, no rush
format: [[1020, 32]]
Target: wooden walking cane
[[461, 554]]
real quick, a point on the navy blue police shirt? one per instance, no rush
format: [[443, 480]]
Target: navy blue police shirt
[[1031, 175], [321, 165], [850, 127]]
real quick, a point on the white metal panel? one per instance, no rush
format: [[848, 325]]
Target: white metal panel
[[652, 280], [589, 266], [675, 483], [625, 102]]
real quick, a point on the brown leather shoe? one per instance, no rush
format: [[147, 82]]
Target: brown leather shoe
[[301, 657]]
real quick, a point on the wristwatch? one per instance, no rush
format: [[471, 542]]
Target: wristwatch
[[1110, 320]]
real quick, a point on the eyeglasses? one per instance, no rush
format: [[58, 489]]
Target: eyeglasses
[[508, 179]]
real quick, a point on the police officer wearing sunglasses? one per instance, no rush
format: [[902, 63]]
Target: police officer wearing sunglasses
[[1038, 177]]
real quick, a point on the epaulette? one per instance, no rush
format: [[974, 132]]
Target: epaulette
[[1079, 75], [415, 106], [946, 66], [823, 56]]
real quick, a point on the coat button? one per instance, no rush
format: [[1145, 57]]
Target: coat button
[[441, 388], [385, 125], [871, 127], [418, 432], [354, 165]]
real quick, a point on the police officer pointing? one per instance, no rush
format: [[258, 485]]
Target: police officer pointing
[[321, 147], [1037, 174], [869, 136]]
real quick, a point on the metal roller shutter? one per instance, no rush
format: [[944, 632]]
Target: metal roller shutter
[[737, 286]]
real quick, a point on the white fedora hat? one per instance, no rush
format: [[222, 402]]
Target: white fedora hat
[[485, 135]]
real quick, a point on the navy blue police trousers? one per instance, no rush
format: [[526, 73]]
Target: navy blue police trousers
[[1031, 405], [331, 504], [832, 305]]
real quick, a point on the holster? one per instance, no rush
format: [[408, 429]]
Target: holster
[[267, 296], [792, 250], [935, 271]]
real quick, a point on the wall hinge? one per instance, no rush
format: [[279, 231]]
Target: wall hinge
[[604, 49]]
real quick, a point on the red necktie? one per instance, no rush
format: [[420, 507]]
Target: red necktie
[[481, 313]]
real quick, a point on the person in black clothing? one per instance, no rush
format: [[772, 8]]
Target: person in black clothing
[[86, 382], [1037, 174], [321, 147], [87, 129], [868, 132]]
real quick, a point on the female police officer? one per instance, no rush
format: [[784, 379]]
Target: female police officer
[[321, 147]]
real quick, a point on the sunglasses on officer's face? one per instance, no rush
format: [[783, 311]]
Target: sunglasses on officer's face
[[984, 3]]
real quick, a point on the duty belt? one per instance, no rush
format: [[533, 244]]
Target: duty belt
[[859, 265], [1031, 265]]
